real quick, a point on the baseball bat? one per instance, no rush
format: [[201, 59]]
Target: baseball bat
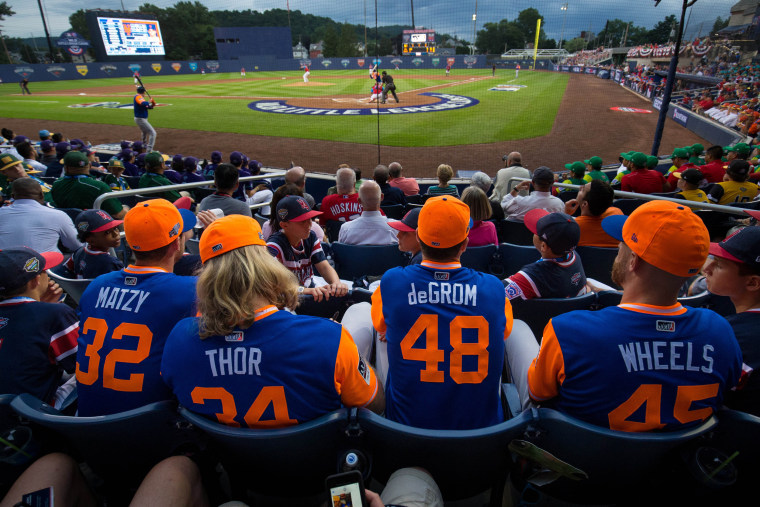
[[141, 84]]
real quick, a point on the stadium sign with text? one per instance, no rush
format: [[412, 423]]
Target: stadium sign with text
[[446, 102]]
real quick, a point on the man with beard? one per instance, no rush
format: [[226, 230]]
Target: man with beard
[[648, 363]]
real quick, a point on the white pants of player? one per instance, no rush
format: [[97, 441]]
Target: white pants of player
[[148, 133], [521, 348], [517, 73], [375, 96], [306, 77]]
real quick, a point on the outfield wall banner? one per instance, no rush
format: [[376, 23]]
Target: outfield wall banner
[[9, 73]]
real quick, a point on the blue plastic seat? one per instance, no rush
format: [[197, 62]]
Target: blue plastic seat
[[71, 212], [514, 257], [280, 462], [353, 261], [619, 466], [597, 263], [120, 448], [736, 437], [628, 205], [464, 463], [481, 258], [332, 229], [537, 312], [513, 232], [394, 211]]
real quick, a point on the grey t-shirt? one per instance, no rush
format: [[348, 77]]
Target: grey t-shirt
[[227, 204]]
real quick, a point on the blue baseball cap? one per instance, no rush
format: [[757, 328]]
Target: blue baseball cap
[[293, 208], [236, 158], [44, 133], [216, 156], [94, 220], [742, 247], [62, 148], [559, 230], [20, 264]]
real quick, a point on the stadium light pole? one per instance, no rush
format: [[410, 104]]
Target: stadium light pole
[[564, 18], [474, 22], [665, 106], [47, 34]]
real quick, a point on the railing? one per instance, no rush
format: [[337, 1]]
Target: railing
[[650, 197], [180, 186]]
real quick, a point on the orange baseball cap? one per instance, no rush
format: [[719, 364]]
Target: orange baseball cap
[[444, 221], [665, 234], [155, 223], [228, 233]]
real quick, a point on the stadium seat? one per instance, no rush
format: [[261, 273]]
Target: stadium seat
[[464, 463], [617, 465], [480, 258], [717, 223], [701, 300], [261, 219], [7, 416], [332, 229], [597, 263], [141, 198], [279, 462], [47, 179], [74, 287], [120, 448], [537, 312], [192, 246], [607, 298], [735, 435], [132, 181], [513, 232], [514, 257], [628, 205], [415, 199], [71, 212], [394, 211], [746, 205], [353, 261]]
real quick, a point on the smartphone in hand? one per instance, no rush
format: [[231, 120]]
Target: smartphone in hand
[[346, 489]]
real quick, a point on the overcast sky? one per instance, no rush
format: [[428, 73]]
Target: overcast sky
[[448, 16]]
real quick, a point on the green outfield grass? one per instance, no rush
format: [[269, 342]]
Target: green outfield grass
[[500, 116]]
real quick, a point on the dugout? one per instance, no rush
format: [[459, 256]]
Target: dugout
[[235, 43]]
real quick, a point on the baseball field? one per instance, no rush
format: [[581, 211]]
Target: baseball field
[[469, 119]]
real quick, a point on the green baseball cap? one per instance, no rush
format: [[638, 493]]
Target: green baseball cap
[[639, 159], [697, 149], [595, 162], [154, 159], [75, 159], [8, 160], [576, 167], [740, 148], [681, 153], [652, 161], [627, 155]]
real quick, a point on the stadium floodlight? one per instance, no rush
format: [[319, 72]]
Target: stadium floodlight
[[564, 18]]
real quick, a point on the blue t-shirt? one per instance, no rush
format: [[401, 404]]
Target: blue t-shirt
[[125, 318], [88, 264]]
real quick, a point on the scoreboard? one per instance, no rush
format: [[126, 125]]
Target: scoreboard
[[418, 41]]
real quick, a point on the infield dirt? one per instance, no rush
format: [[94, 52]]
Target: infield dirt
[[584, 126]]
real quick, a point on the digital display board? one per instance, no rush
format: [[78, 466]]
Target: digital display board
[[418, 41], [126, 37]]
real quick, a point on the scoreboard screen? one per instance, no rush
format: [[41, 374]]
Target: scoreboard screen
[[418, 41], [131, 36]]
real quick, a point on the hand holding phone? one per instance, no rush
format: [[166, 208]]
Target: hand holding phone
[[346, 490]]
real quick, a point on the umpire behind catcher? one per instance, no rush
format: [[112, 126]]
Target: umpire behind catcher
[[141, 106], [388, 86]]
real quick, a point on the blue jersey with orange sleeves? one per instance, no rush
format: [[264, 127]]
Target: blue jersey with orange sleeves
[[269, 374], [125, 318], [636, 367], [445, 326], [141, 105]]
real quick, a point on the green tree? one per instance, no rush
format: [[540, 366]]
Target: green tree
[[720, 24], [660, 34], [574, 45], [78, 23], [330, 46], [495, 38], [526, 20], [347, 41], [5, 10]]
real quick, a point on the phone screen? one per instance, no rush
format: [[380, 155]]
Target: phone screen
[[41, 498], [346, 495]]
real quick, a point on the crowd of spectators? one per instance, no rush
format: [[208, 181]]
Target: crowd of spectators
[[206, 323]]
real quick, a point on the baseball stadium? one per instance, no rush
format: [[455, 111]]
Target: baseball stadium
[[226, 228]]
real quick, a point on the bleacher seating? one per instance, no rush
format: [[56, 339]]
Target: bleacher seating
[[514, 257], [353, 261], [537, 312], [394, 211], [513, 232], [481, 258], [627, 205], [597, 263], [73, 287]]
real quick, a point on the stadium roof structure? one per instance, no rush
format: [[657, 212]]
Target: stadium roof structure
[[522, 54]]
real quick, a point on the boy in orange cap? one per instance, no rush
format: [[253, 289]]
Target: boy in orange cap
[[605, 366]]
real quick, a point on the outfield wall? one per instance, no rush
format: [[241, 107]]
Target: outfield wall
[[12, 74]]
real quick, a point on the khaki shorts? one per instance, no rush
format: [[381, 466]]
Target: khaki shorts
[[412, 487]]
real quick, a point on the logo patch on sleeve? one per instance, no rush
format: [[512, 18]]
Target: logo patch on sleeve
[[364, 370], [512, 291], [667, 326]]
